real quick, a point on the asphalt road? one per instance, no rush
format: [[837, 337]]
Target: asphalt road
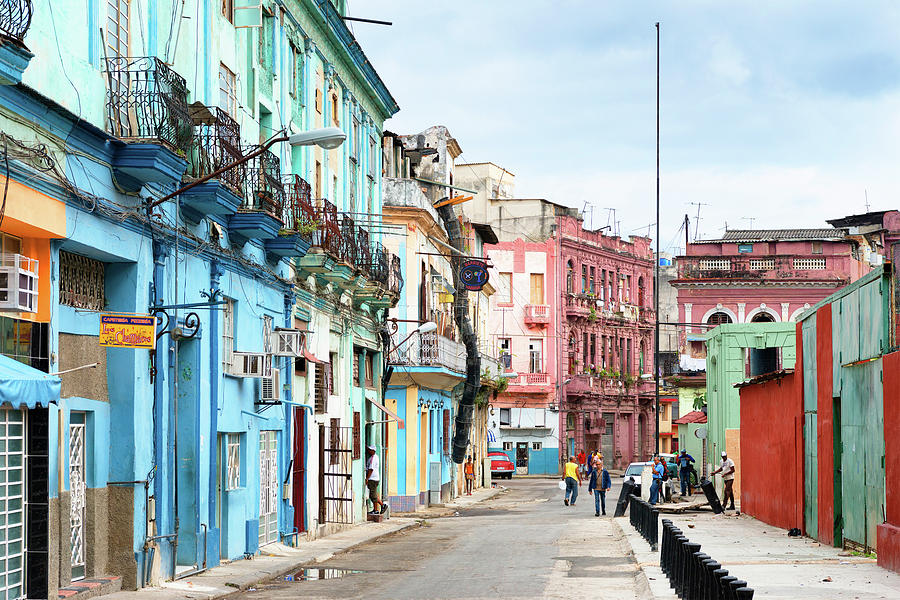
[[524, 543]]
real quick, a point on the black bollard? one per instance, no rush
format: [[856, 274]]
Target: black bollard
[[725, 584], [629, 488], [744, 593], [677, 557], [696, 564], [735, 585], [689, 549], [664, 546], [709, 568], [653, 533], [710, 490], [715, 588]]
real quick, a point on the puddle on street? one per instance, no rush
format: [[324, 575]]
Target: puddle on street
[[316, 574]]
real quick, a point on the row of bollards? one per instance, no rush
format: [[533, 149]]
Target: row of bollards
[[645, 519], [694, 575]]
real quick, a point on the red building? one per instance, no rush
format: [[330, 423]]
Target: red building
[[607, 399]]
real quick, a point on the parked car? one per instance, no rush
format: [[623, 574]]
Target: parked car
[[501, 466], [635, 470]]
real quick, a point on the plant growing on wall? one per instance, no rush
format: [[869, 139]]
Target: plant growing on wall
[[592, 315], [699, 401]]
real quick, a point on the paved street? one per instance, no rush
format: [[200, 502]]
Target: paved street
[[522, 544]]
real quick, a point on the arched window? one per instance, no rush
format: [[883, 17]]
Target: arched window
[[641, 359], [640, 291], [570, 275], [762, 317], [570, 421], [718, 318]]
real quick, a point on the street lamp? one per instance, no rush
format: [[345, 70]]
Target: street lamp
[[328, 138], [426, 327]]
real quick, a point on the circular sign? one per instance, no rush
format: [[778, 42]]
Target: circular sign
[[700, 433], [473, 274]]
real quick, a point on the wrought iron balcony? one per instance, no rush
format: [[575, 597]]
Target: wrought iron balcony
[[263, 191], [15, 19], [431, 349], [329, 234], [147, 101], [216, 143], [395, 274], [299, 211]]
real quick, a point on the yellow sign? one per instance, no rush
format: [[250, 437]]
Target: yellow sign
[[128, 331]]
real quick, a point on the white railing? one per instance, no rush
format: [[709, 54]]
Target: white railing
[[431, 349], [531, 379]]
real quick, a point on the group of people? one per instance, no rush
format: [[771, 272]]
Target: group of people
[[591, 468], [684, 463]]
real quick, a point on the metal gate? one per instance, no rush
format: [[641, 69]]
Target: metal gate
[[335, 473], [268, 488], [12, 497], [77, 493]]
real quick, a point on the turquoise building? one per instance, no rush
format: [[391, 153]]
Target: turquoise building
[[191, 436]]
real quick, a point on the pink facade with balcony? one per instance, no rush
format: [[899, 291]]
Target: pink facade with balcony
[[764, 275], [606, 353]]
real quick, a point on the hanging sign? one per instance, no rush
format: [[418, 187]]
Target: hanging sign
[[473, 274], [127, 331]]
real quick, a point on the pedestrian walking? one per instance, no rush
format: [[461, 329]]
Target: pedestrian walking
[[469, 470], [572, 477], [659, 469], [726, 467], [684, 471], [599, 485], [581, 461], [373, 478]]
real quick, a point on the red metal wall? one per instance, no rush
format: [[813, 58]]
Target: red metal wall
[[825, 420], [772, 451], [889, 532]]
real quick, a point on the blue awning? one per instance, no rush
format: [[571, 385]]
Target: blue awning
[[22, 386]]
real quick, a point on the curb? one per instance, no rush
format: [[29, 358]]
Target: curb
[[449, 511]]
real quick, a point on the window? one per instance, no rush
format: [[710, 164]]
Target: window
[[507, 446], [718, 318], [505, 351], [641, 296], [536, 445], [817, 247], [335, 116], [762, 264], [608, 423], [354, 140], [570, 278], [321, 386], [591, 281], [227, 90], [506, 278], [584, 287], [535, 363], [333, 371], [446, 433], [662, 411], [357, 432], [81, 280], [357, 357], [227, 334], [715, 264], [294, 82], [603, 284], [13, 500], [540, 417], [318, 180], [266, 35], [628, 355], [584, 351], [12, 245], [504, 416], [603, 351], [300, 366], [537, 288], [762, 317], [318, 101], [593, 347], [233, 479], [628, 288], [117, 28], [370, 370], [809, 264], [373, 158], [228, 10]]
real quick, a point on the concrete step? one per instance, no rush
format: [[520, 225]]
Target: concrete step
[[90, 588]]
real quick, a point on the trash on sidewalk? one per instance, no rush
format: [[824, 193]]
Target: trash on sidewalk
[[794, 532]]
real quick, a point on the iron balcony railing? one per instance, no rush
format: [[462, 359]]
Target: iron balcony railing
[[329, 235], [15, 19], [217, 143], [146, 100], [395, 274], [431, 349], [299, 212], [263, 189]]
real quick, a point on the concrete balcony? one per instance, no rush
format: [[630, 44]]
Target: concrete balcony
[[537, 314], [429, 360], [535, 379]]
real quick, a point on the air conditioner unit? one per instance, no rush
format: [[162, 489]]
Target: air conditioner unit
[[270, 387], [251, 364], [18, 283], [288, 342], [553, 408]]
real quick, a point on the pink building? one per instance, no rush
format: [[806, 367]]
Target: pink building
[[524, 321], [606, 292], [764, 275]]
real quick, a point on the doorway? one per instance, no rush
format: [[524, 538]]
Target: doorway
[[12, 494], [268, 487], [521, 458], [77, 494], [298, 470]]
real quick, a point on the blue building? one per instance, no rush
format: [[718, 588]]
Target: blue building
[[170, 449]]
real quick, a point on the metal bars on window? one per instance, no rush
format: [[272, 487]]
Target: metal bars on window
[[268, 487], [81, 282], [77, 497], [336, 477], [233, 466], [12, 503]]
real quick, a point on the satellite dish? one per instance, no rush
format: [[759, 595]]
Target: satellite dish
[[700, 432]]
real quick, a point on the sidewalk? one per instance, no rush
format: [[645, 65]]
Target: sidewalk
[[276, 560], [450, 508], [773, 564]]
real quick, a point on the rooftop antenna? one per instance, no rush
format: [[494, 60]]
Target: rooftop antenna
[[866, 192], [697, 222], [751, 219], [611, 216]]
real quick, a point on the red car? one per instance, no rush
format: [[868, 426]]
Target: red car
[[501, 466]]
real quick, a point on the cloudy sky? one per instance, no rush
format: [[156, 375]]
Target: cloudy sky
[[784, 112]]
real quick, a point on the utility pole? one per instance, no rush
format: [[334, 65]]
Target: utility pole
[[656, 258], [687, 231]]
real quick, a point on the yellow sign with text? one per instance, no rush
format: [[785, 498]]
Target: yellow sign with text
[[128, 331]]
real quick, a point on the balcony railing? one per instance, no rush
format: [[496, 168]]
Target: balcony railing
[[537, 314], [329, 236], [744, 267], [530, 379], [395, 275], [15, 18], [299, 212], [349, 240], [264, 191], [431, 349], [216, 143], [147, 101]]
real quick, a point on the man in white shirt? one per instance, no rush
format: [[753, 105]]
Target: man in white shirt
[[373, 477], [726, 467]]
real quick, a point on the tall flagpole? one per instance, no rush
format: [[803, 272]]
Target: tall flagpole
[[656, 259]]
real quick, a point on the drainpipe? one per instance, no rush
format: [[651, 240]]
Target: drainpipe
[[160, 254], [215, 273], [287, 445]]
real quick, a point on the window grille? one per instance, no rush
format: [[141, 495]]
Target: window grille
[[228, 90], [321, 387], [536, 445], [762, 264], [809, 264], [357, 356], [228, 334], [715, 264], [12, 497], [81, 282], [507, 446], [234, 461], [357, 431]]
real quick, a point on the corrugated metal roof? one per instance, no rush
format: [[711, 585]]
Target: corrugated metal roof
[[695, 416], [777, 235], [765, 377]]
